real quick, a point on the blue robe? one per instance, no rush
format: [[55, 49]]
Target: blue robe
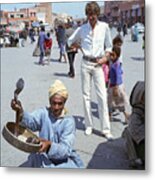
[[61, 132]]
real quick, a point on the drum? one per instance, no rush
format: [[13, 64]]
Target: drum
[[26, 140]]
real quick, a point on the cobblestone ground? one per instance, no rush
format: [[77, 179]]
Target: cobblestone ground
[[95, 151]]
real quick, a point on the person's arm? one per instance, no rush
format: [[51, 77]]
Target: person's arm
[[104, 59], [33, 120], [29, 120], [108, 40], [74, 38], [108, 47], [63, 149]]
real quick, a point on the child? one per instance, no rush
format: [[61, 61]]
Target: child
[[117, 98], [118, 41], [48, 46]]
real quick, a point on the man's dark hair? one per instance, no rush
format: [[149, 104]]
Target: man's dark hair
[[92, 8], [117, 50]]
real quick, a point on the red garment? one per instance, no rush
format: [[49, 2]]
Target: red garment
[[48, 44]]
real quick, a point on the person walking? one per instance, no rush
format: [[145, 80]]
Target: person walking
[[48, 47], [125, 29], [41, 41], [56, 131], [95, 43], [71, 52], [31, 35], [61, 39]]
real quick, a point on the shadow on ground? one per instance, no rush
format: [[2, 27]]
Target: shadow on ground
[[95, 113], [61, 74], [138, 58], [79, 120], [110, 155], [55, 60], [94, 109]]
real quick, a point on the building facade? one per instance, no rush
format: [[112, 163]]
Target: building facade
[[129, 11], [44, 12], [40, 12], [26, 15]]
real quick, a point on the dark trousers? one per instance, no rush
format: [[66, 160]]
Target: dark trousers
[[32, 39], [71, 57]]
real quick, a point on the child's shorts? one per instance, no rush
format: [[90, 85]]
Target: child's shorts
[[118, 102]]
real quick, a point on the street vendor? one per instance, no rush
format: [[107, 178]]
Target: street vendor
[[56, 131]]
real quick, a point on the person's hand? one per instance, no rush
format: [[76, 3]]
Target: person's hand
[[16, 106], [45, 145], [75, 46], [102, 60]]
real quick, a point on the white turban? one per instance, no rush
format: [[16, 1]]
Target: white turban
[[58, 88]]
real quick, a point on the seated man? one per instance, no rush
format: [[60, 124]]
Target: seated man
[[56, 131]]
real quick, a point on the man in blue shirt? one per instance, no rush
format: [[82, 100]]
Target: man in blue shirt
[[56, 131], [41, 40]]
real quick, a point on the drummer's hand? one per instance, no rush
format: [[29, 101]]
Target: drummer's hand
[[45, 145], [16, 106]]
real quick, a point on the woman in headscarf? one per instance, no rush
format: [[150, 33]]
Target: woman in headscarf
[[56, 131]]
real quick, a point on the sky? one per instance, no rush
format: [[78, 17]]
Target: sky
[[75, 9]]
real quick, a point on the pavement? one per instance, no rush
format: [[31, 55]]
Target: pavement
[[95, 151]]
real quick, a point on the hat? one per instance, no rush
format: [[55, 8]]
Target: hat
[[58, 88]]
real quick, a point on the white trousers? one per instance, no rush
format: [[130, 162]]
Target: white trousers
[[88, 73]]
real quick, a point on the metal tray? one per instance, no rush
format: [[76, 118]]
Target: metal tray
[[8, 134]]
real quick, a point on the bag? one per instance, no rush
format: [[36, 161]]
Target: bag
[[36, 51]]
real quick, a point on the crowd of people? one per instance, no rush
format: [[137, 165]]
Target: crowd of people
[[102, 63]]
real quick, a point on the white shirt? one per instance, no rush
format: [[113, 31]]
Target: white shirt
[[94, 42]]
